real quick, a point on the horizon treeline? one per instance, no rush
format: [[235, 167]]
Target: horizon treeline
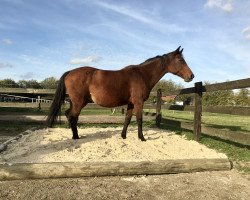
[[47, 83]]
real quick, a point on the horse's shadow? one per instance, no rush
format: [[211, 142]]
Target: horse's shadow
[[101, 135]]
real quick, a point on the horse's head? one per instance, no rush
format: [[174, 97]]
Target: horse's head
[[178, 66]]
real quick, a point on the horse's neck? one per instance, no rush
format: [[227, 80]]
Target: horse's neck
[[152, 72]]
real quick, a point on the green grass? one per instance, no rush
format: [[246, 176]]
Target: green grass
[[101, 111], [15, 128], [26, 111], [215, 120], [45, 111]]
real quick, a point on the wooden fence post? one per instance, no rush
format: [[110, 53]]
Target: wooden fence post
[[39, 102], [158, 108], [198, 111]]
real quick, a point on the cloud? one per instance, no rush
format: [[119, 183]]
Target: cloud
[[5, 65], [125, 11], [86, 60], [27, 75], [246, 32], [144, 17], [224, 5], [7, 41]]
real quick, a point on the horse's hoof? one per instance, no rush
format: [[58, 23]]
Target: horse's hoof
[[75, 138], [124, 137], [143, 139]]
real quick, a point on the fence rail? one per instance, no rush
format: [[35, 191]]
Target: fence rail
[[26, 91], [229, 85], [198, 90]]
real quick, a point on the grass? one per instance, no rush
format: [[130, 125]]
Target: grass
[[215, 120], [45, 111], [15, 128], [104, 111], [23, 111]]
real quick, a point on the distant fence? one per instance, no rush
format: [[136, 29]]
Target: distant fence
[[231, 110], [26, 91], [197, 126], [15, 98]]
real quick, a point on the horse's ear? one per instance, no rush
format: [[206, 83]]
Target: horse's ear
[[181, 50], [178, 49]]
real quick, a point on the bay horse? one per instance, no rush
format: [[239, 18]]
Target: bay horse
[[129, 86]]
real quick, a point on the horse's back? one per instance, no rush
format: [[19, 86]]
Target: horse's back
[[110, 88], [105, 87]]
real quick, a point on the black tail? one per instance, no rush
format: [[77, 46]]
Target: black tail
[[57, 101]]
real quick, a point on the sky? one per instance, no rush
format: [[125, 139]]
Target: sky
[[40, 39]]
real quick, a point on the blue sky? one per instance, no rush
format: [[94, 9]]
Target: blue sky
[[39, 39]]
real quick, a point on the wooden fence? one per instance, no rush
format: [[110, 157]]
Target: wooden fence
[[26, 91], [198, 90]]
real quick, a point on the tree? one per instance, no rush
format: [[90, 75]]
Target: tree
[[242, 98], [167, 87], [217, 98], [49, 83], [8, 83], [33, 84], [22, 84]]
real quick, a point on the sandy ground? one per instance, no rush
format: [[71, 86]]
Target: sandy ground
[[103, 144], [205, 185]]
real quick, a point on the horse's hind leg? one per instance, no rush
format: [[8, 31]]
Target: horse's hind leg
[[127, 120], [73, 124], [72, 114]]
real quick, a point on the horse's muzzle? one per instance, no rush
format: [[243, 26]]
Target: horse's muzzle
[[190, 78]]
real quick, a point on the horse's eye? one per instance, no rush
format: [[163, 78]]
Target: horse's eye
[[182, 60]]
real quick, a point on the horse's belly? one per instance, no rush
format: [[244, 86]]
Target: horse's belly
[[107, 100]]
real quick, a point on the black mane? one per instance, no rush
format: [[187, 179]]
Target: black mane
[[154, 58]]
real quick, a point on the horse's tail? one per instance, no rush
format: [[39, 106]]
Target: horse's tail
[[57, 101]]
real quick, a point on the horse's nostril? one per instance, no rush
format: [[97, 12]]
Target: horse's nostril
[[192, 76]]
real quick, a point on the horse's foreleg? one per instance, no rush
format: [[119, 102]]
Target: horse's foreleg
[[138, 112], [128, 117]]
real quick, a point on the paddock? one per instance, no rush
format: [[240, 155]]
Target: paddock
[[51, 153]]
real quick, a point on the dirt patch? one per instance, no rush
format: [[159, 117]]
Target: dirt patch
[[103, 144], [205, 185]]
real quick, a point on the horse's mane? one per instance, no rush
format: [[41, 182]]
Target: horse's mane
[[153, 58], [150, 60]]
